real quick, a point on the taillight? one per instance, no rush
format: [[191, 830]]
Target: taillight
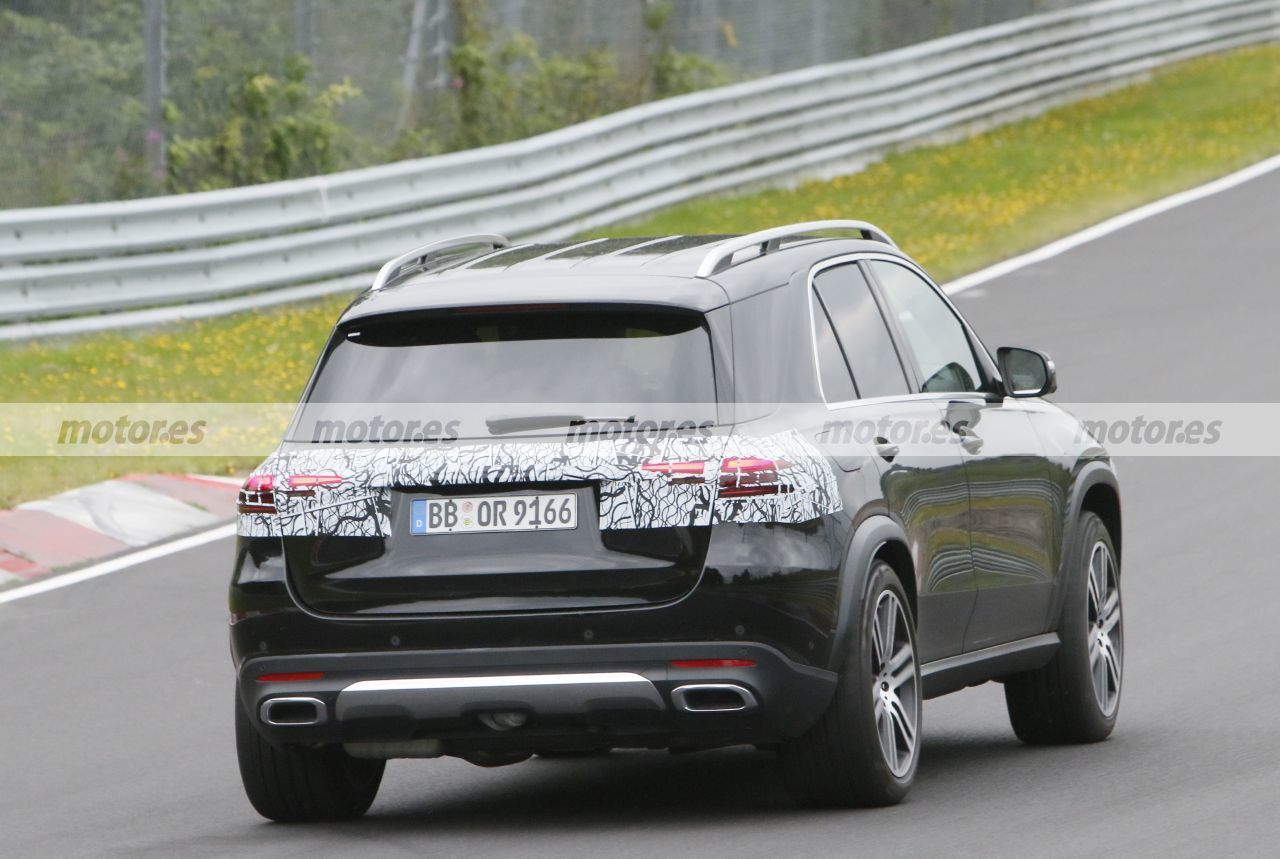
[[713, 663], [291, 677], [677, 472], [305, 484], [746, 476], [258, 494]]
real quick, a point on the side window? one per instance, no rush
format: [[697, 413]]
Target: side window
[[837, 385], [936, 335], [861, 330]]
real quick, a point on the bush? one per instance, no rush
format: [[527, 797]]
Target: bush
[[511, 90], [257, 128]]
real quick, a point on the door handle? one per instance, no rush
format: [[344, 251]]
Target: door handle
[[886, 449]]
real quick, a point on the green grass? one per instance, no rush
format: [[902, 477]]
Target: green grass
[[958, 207], [954, 207]]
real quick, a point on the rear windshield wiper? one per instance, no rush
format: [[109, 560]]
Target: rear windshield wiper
[[505, 424]]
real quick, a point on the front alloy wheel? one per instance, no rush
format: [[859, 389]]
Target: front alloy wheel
[[1106, 644], [1076, 697]]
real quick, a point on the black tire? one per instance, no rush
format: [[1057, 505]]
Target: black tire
[[839, 762], [295, 784], [1059, 703]]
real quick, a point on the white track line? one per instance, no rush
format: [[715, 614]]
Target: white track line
[[969, 281], [55, 582], [1111, 225]]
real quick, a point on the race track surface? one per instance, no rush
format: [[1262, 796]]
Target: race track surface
[[115, 717]]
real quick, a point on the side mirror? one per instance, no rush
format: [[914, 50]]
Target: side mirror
[[1026, 372]]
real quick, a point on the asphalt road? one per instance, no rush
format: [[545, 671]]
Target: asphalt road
[[115, 714]]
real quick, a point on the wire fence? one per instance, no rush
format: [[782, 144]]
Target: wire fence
[[759, 37], [83, 113]]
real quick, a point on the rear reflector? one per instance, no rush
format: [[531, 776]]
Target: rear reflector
[[295, 677], [713, 663]]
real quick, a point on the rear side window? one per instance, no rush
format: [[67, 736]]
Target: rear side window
[[862, 331], [522, 359], [837, 385]]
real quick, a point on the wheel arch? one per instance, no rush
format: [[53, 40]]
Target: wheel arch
[[1095, 490], [896, 554], [1102, 498], [876, 538]]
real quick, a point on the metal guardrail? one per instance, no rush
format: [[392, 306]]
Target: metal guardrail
[[309, 236]]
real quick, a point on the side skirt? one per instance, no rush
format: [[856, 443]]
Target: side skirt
[[970, 669]]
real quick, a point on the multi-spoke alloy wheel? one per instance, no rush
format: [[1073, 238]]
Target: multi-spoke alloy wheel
[[865, 748], [1075, 698], [894, 689], [1106, 644]]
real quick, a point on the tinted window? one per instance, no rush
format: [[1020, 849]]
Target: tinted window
[[519, 360], [936, 335], [837, 386], [862, 331]]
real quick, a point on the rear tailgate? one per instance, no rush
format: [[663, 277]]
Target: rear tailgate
[[490, 460], [361, 540]]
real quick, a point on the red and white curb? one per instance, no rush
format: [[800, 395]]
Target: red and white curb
[[105, 519]]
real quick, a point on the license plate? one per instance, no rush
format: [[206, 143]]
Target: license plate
[[468, 515]]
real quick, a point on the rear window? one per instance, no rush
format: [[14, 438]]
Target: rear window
[[534, 361]]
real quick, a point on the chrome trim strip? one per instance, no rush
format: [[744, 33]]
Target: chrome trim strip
[[498, 682], [914, 267], [461, 697], [1035, 642]]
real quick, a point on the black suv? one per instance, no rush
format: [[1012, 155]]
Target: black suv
[[680, 492]]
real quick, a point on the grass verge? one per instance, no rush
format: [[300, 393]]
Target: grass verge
[[954, 207]]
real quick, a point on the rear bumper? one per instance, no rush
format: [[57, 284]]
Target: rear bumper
[[565, 697]]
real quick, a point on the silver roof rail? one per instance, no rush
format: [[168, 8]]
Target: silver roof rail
[[421, 254], [769, 240]]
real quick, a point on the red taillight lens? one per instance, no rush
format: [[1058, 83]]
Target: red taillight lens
[[677, 472], [294, 677], [713, 663], [747, 476], [258, 494], [305, 484]]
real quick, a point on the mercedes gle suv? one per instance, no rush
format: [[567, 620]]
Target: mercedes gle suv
[[669, 493]]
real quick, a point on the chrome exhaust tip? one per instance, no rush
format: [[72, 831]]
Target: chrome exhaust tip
[[292, 712], [505, 721], [713, 698]]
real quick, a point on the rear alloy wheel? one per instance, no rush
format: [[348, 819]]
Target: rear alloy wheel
[[292, 784], [864, 750], [1076, 697]]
